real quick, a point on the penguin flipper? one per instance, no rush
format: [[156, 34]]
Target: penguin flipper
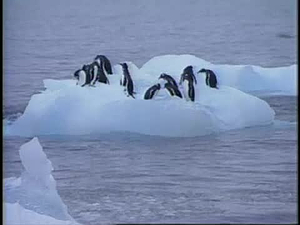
[[130, 95], [195, 79], [179, 94]]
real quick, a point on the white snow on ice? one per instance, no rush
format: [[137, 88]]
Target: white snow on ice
[[33, 198], [65, 108]]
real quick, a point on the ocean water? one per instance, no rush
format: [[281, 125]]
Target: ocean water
[[241, 176]]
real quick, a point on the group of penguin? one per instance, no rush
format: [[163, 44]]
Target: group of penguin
[[100, 69]]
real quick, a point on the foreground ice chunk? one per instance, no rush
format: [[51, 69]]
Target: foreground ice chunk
[[36, 189], [38, 167], [15, 214]]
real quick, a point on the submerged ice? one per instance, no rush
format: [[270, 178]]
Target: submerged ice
[[68, 109], [35, 190]]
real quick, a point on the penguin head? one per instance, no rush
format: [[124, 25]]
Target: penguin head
[[124, 65], [202, 70], [162, 76], [76, 74], [188, 69], [99, 57], [86, 68]]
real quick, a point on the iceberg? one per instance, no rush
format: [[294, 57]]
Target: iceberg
[[65, 108], [247, 78], [33, 197]]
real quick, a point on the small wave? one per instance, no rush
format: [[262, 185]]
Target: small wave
[[285, 36], [285, 123]]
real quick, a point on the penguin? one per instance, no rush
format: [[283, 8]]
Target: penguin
[[173, 90], [105, 60], [169, 79], [83, 76], [123, 79], [189, 89], [93, 72], [101, 73], [211, 79], [128, 80], [86, 70], [188, 70], [152, 91]]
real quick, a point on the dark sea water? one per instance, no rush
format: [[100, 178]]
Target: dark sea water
[[240, 176]]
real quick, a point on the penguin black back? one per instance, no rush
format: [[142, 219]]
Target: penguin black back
[[173, 90], [76, 74], [210, 79], [168, 78], [152, 91], [105, 60], [191, 89], [128, 79], [101, 76], [86, 69]]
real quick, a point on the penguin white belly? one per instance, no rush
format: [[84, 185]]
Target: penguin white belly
[[208, 79], [122, 79], [104, 70], [98, 61], [185, 91], [95, 71], [82, 78]]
